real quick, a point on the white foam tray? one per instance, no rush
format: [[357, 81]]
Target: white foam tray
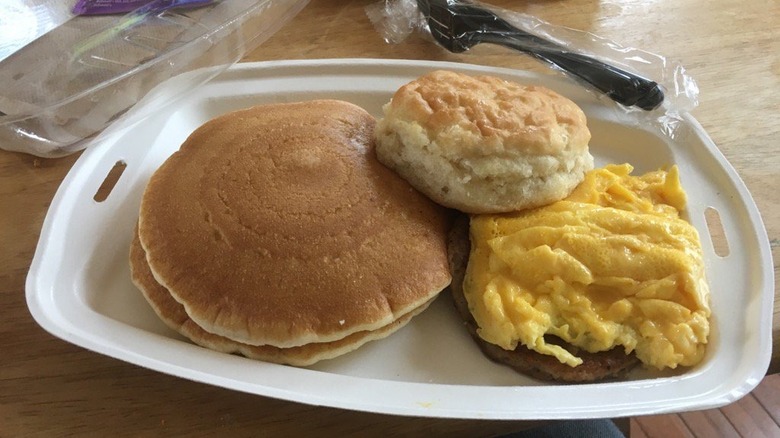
[[79, 287]]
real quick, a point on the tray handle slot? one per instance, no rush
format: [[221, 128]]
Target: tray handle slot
[[718, 238], [110, 181]]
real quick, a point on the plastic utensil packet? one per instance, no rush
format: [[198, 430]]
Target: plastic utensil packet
[[102, 7], [395, 20]]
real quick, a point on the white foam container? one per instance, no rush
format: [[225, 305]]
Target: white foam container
[[79, 286]]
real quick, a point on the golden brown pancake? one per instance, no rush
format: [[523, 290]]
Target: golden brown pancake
[[276, 225], [595, 366], [173, 314]]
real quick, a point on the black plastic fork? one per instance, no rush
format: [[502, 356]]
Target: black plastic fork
[[458, 26]]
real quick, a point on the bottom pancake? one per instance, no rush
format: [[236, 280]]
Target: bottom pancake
[[594, 367], [173, 314]]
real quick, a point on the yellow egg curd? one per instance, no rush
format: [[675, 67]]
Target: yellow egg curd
[[611, 265]]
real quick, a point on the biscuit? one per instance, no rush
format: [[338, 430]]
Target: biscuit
[[483, 144]]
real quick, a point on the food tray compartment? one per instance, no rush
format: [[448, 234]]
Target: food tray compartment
[[79, 285]]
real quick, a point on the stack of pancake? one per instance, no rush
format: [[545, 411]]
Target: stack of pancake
[[275, 233]]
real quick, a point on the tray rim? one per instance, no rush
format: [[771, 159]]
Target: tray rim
[[35, 287]]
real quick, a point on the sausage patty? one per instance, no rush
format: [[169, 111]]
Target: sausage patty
[[595, 366]]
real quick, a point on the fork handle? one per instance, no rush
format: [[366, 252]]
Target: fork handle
[[621, 86]]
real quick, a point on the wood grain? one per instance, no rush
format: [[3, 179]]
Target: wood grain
[[755, 415], [709, 423], [661, 426], [750, 418], [768, 396], [51, 388]]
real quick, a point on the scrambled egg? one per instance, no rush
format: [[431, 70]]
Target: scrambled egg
[[611, 265]]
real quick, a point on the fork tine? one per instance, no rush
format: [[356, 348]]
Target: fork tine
[[439, 17], [459, 25], [424, 7]]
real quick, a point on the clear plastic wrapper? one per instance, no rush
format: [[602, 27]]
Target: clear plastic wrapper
[[395, 20], [65, 87], [104, 7]]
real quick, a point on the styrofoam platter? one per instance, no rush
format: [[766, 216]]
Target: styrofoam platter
[[79, 286]]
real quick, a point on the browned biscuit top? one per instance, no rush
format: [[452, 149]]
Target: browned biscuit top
[[481, 144], [277, 225], [505, 116]]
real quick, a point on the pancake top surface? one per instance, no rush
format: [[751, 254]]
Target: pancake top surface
[[277, 225]]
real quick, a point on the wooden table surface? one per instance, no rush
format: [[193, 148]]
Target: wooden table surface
[[51, 388]]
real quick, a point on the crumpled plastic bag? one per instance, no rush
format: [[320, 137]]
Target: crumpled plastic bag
[[396, 20]]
